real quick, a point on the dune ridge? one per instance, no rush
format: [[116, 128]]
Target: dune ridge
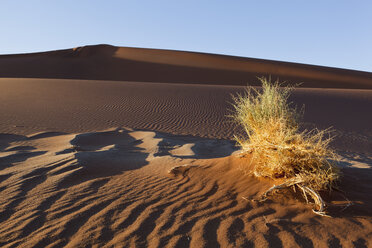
[[105, 62]]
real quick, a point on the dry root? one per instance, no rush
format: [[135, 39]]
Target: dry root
[[305, 190]]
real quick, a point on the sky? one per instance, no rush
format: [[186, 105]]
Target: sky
[[328, 32]]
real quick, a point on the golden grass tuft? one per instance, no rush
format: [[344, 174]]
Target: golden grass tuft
[[280, 151]]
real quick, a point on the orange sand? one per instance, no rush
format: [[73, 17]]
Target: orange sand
[[165, 172]]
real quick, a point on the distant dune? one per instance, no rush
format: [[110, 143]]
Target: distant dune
[[103, 146], [105, 62]]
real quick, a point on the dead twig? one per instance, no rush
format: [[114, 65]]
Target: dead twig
[[305, 190]]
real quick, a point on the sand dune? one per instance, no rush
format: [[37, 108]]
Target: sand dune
[[101, 163], [37, 105], [113, 188], [104, 62]]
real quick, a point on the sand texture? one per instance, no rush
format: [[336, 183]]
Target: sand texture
[[90, 162]]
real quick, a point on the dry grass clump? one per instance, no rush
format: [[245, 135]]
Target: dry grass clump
[[280, 151]]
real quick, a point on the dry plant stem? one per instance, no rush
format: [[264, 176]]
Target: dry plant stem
[[284, 185], [306, 191], [304, 194], [317, 199]]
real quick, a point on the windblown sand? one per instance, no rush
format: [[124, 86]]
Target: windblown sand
[[90, 163]]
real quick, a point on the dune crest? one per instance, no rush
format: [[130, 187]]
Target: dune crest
[[105, 62]]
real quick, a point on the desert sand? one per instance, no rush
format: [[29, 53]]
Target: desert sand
[[103, 146]]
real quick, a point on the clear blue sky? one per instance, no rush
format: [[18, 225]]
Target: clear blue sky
[[334, 33]]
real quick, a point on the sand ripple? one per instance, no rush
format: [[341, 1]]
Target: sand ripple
[[112, 188]]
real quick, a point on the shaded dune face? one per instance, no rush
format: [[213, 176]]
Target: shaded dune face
[[104, 62], [114, 188]]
